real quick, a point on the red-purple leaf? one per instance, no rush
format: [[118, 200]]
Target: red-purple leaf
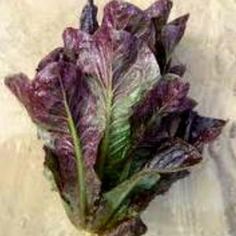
[[177, 70], [53, 56], [167, 96], [64, 171], [205, 129], [122, 15], [172, 33], [173, 156], [159, 11], [88, 19], [199, 130], [59, 102], [141, 202], [63, 168]]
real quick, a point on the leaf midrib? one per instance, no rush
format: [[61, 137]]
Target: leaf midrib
[[79, 160], [105, 141]]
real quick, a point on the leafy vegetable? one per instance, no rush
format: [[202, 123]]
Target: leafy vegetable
[[118, 125]]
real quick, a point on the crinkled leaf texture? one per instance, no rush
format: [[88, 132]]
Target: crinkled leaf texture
[[118, 125], [88, 19], [60, 103], [121, 195], [120, 71]]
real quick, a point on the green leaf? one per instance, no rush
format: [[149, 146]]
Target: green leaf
[[115, 199], [79, 161]]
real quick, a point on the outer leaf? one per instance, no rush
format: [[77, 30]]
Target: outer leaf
[[167, 96], [54, 56], [122, 15], [121, 70], [117, 197], [64, 177], [152, 120], [199, 130], [167, 39], [206, 129], [172, 33], [159, 12], [88, 19], [140, 202], [172, 160], [173, 156], [58, 100], [177, 70]]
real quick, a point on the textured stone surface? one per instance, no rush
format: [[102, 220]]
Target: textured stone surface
[[201, 205]]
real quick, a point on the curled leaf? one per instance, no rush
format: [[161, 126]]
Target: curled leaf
[[167, 96], [199, 130], [167, 39], [159, 12], [88, 19], [173, 156], [59, 102], [124, 16], [172, 33], [177, 70], [121, 194], [53, 56]]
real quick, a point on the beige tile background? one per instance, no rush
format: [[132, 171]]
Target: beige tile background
[[201, 205]]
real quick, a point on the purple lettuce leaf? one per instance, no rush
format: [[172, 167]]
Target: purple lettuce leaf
[[172, 160], [140, 202], [54, 56], [167, 39], [179, 70], [196, 131], [115, 206], [59, 101], [154, 119], [169, 95], [189, 126], [120, 71], [172, 33], [199, 130], [174, 156], [64, 176], [150, 25], [88, 19], [159, 12], [125, 16]]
